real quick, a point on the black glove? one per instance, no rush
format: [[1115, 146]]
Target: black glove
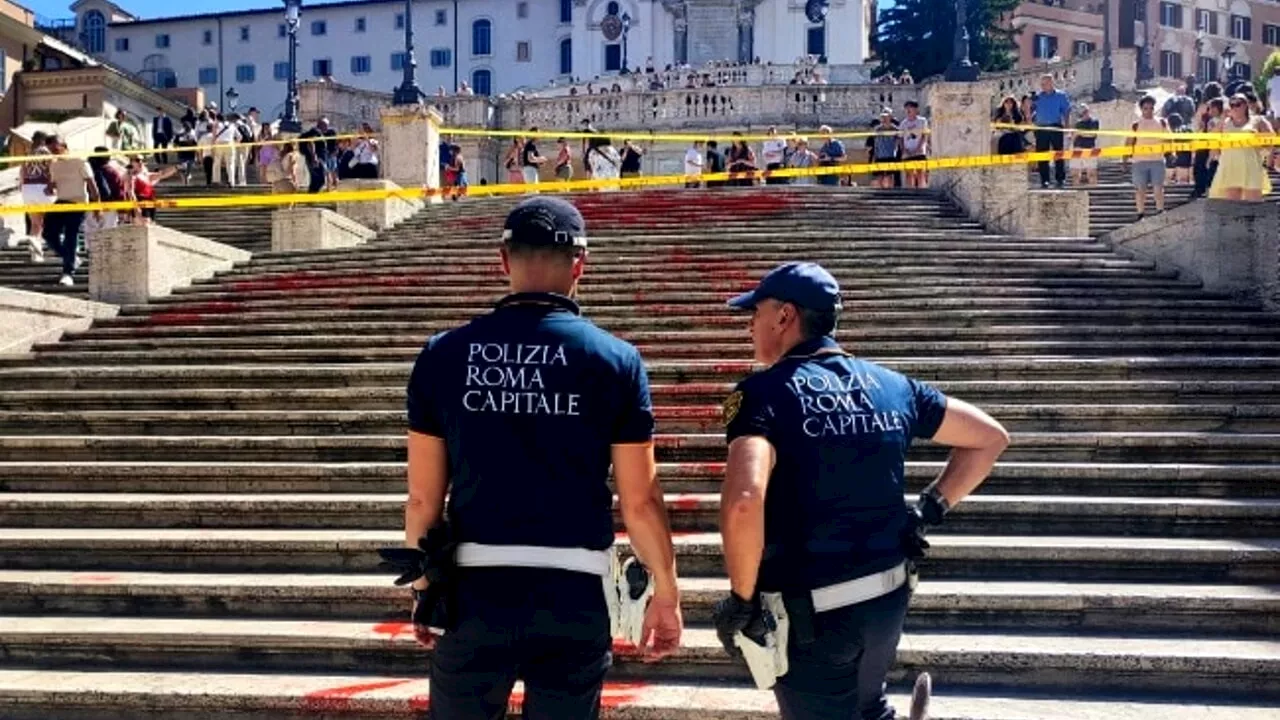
[[433, 559], [914, 545], [733, 615]]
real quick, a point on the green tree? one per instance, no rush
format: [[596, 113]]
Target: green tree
[[1269, 69], [917, 35]]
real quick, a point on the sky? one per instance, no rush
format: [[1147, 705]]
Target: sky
[[161, 8]]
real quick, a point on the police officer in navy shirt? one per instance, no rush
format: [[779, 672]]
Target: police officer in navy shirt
[[813, 501], [519, 415]]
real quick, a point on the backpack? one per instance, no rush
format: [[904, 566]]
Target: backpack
[[111, 185], [246, 135]]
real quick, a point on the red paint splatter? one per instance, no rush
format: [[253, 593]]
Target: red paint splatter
[[393, 630], [339, 699], [84, 578], [685, 503]]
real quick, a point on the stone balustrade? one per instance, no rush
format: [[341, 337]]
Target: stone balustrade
[[746, 75]]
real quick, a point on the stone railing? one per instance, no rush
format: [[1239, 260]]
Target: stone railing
[[1078, 77], [747, 75], [806, 105]]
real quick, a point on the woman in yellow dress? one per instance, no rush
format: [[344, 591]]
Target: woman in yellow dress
[[1241, 173]]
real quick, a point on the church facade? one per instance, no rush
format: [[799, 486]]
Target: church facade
[[494, 46]]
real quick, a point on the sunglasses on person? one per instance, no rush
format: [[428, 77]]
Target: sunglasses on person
[[1238, 104]]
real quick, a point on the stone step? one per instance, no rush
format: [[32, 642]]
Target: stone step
[[1228, 338], [691, 512], [663, 350], [1038, 417], [1245, 392], [331, 376], [1026, 446], [173, 695], [1188, 610], [1222, 668], [1095, 480], [953, 557]]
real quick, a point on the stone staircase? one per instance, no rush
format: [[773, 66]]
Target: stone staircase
[[1111, 205], [192, 492]]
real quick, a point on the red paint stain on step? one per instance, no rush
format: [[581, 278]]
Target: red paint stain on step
[[617, 694], [90, 578], [685, 503], [338, 699], [393, 630]]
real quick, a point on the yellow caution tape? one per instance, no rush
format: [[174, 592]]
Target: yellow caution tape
[[1113, 133], [957, 163], [174, 149]]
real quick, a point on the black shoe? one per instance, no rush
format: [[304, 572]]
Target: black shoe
[[1061, 185], [1044, 186]]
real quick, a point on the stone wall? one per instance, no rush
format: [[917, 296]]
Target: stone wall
[[28, 318]]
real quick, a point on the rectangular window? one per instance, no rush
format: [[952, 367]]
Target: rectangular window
[[1241, 28], [361, 64], [162, 41], [1271, 35], [1207, 21], [398, 60], [246, 73], [1242, 71], [208, 37], [442, 17], [209, 76], [612, 57], [816, 41], [1170, 64], [281, 71], [1140, 11], [322, 67], [1170, 15], [441, 57], [122, 44], [1208, 69], [319, 27], [360, 24], [1044, 47], [522, 10], [244, 33], [566, 11], [282, 30], [1081, 48], [522, 51], [399, 21]]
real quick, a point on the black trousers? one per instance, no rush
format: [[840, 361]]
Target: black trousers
[[161, 143], [775, 180], [1203, 171], [1051, 140], [549, 628], [317, 177], [61, 234], [841, 674]]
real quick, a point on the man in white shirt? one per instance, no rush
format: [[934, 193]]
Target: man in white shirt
[[225, 150], [693, 160], [1273, 94], [775, 155], [915, 144]]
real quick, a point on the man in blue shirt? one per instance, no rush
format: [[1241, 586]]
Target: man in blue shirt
[[1051, 108], [812, 505], [519, 414]]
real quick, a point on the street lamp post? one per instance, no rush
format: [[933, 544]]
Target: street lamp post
[[1106, 83], [626, 28], [408, 93], [961, 69], [289, 121], [233, 99]]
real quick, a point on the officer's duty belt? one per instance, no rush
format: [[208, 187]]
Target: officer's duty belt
[[859, 589], [592, 562]]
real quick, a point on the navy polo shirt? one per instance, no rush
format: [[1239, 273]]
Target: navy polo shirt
[[841, 427], [529, 398]]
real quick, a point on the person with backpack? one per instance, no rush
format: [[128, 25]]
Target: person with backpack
[[109, 177]]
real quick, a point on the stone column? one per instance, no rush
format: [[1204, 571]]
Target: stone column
[[411, 146]]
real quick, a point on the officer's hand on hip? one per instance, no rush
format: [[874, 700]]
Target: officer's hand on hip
[[663, 625], [732, 615], [914, 544]]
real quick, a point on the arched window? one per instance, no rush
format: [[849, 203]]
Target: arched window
[[481, 38], [566, 56], [566, 11], [95, 32], [482, 82], [611, 9]]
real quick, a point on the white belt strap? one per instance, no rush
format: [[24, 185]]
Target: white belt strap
[[861, 589], [592, 562]]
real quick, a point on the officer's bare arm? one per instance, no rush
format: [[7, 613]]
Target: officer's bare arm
[[977, 441], [428, 481], [746, 478], [644, 513]]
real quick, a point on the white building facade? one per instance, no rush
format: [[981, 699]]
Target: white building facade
[[496, 46]]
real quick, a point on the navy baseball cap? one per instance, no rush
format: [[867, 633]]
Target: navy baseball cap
[[806, 285], [545, 221]]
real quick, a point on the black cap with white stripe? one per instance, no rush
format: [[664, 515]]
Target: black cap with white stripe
[[545, 222]]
